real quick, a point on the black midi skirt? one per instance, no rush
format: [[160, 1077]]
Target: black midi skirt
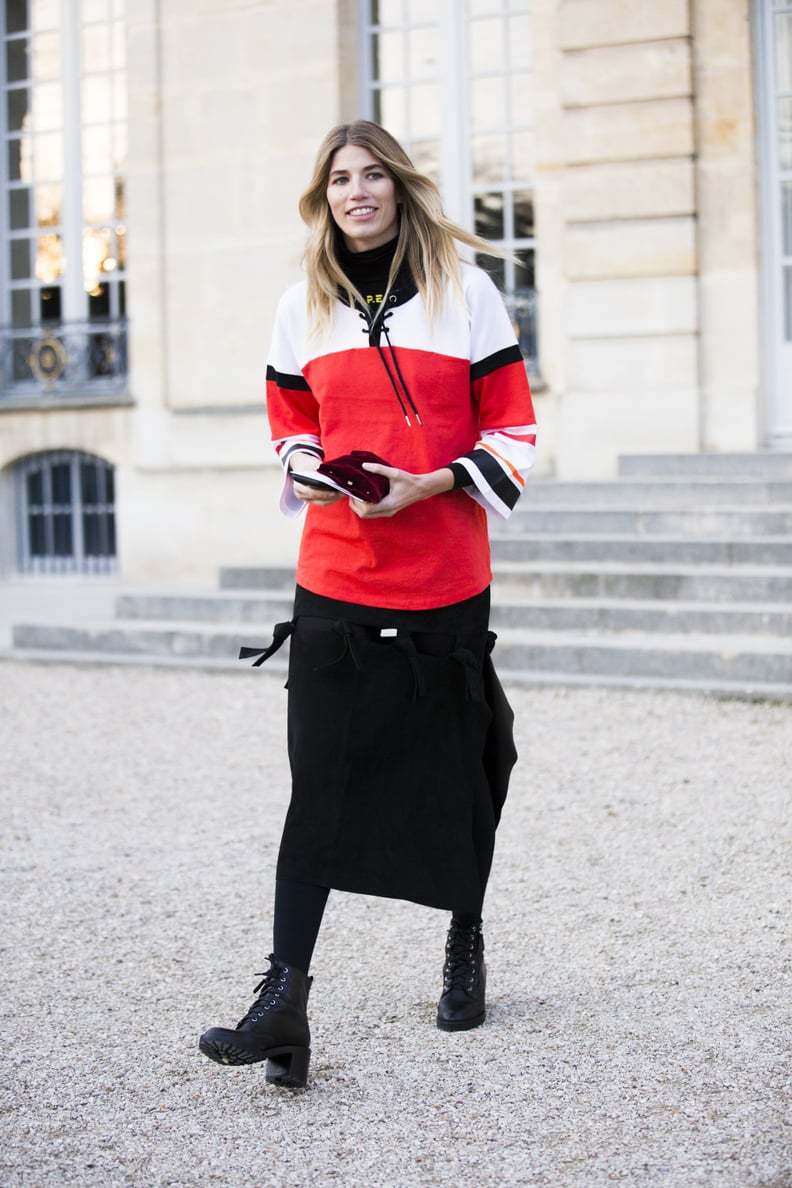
[[400, 746]]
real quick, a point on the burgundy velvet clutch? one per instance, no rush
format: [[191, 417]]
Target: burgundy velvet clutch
[[346, 474]]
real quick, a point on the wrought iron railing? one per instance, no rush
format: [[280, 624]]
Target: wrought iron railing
[[64, 359]]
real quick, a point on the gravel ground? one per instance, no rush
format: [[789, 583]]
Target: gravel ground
[[637, 929]]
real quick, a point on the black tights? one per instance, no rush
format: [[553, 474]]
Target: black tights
[[299, 908]]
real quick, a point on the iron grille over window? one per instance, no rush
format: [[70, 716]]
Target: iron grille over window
[[451, 79], [66, 514], [63, 311]]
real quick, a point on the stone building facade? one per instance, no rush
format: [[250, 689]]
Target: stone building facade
[[635, 159]]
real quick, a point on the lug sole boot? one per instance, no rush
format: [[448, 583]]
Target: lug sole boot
[[462, 1005], [275, 1029]]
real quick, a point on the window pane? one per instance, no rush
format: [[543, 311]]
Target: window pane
[[522, 156], [423, 10], [488, 209], [488, 159], [50, 261], [61, 483], [788, 303], [45, 14], [387, 12], [89, 490], [45, 57], [50, 304], [97, 247], [91, 541], [388, 56], [19, 209], [119, 98], [519, 40], [62, 534], [390, 111], [34, 483], [20, 307], [16, 16], [48, 204], [487, 103], [121, 247], [14, 160], [521, 98], [523, 215], [20, 259], [98, 199], [783, 41], [16, 60], [96, 48], [109, 485], [425, 156], [524, 271], [97, 147], [47, 107], [18, 104], [95, 10], [47, 157], [119, 146], [425, 114], [422, 53], [97, 97], [486, 46], [37, 536]]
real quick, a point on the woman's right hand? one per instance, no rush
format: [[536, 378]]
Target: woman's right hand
[[308, 462]]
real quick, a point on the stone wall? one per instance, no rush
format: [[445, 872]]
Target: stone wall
[[633, 240]]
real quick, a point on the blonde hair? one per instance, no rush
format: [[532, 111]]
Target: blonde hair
[[427, 239]]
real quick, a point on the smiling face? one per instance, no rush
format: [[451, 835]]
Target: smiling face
[[362, 198]]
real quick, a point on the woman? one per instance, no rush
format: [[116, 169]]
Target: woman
[[399, 734]]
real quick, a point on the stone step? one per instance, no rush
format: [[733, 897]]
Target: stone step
[[585, 614], [703, 583], [219, 607], [747, 664], [761, 465], [154, 641], [657, 492], [622, 615], [769, 550], [709, 522], [737, 659]]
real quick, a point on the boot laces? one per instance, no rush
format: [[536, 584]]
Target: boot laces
[[269, 991], [459, 971]]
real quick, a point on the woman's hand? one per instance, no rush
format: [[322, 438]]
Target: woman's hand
[[307, 463], [405, 488]]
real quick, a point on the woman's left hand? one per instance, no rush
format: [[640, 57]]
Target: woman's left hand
[[405, 488]]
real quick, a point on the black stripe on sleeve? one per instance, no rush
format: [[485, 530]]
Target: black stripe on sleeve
[[498, 479], [292, 383], [503, 358]]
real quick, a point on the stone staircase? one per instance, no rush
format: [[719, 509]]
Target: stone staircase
[[677, 574]]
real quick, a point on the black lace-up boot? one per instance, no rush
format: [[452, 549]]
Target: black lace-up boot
[[462, 1005], [275, 1029]]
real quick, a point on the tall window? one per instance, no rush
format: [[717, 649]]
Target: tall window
[[451, 79], [63, 197], [66, 504]]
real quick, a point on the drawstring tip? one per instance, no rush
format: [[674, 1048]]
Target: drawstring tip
[[407, 420], [418, 420]]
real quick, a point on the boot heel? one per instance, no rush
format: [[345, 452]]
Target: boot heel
[[289, 1068]]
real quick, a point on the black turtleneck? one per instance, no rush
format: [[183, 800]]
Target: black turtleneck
[[369, 271]]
